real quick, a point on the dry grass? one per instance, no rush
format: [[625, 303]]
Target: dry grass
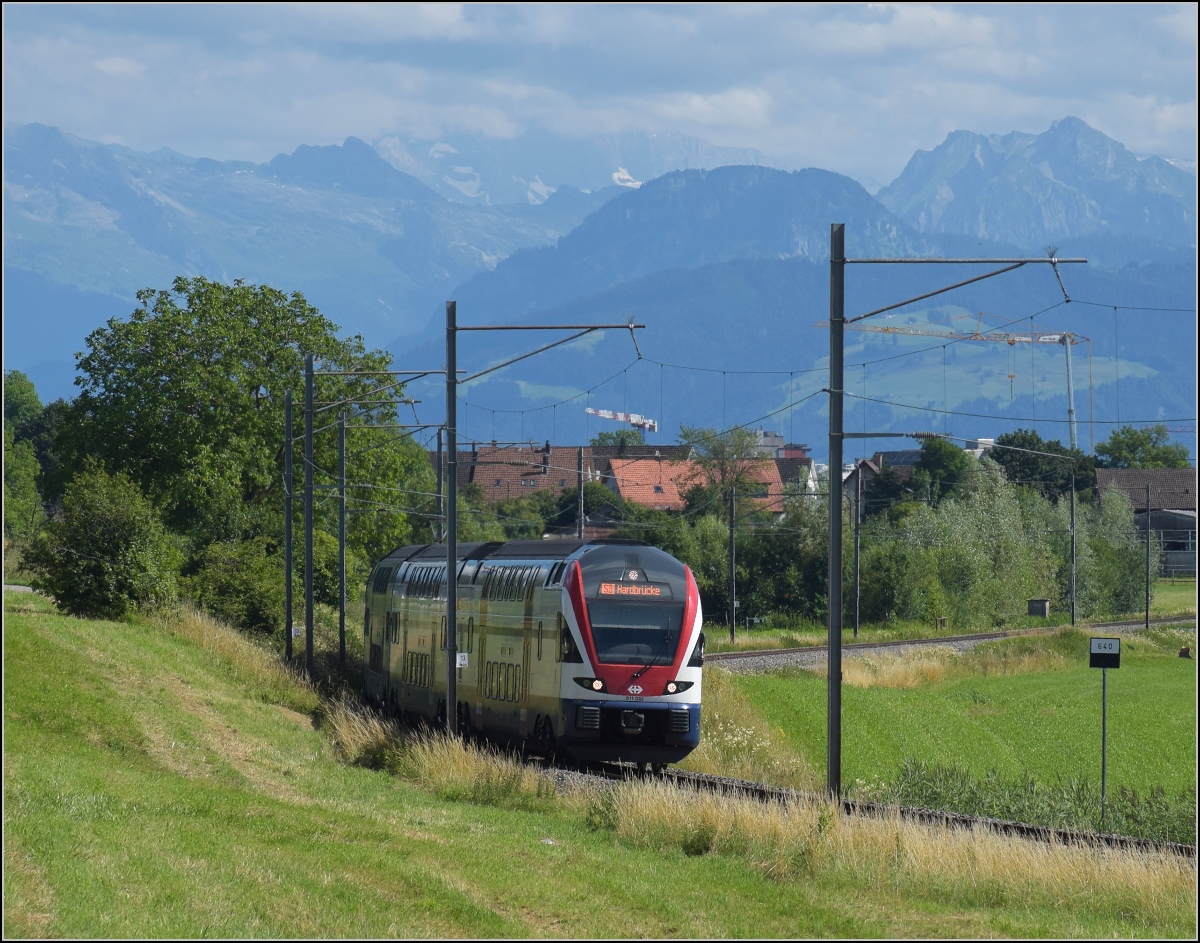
[[808, 838], [735, 740], [252, 666], [363, 736], [805, 837], [919, 667]]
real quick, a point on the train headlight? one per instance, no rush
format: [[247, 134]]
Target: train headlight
[[597, 684], [592, 684], [672, 687], [677, 687]]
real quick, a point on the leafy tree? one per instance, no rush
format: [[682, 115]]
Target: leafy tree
[[1129, 447], [884, 491], [721, 460], [939, 469], [1050, 477], [108, 552], [622, 438], [21, 403], [187, 398], [22, 504]]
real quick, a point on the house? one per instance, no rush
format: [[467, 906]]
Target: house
[[662, 484], [1171, 509]]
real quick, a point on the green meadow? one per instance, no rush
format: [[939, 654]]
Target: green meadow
[[165, 777]]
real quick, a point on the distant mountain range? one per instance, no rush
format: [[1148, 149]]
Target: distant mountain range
[[531, 166], [1070, 182], [721, 262]]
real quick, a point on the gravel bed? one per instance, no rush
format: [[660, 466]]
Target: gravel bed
[[770, 661]]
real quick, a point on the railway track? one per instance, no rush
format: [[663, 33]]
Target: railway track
[[974, 638], [1041, 833]]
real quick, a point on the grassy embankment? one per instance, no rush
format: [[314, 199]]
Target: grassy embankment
[[167, 778], [1027, 708], [1175, 597]]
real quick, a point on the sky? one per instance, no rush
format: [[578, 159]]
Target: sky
[[855, 88]]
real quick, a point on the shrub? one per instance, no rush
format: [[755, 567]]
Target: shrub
[[107, 552], [242, 583]]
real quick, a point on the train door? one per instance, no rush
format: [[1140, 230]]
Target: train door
[[523, 681]]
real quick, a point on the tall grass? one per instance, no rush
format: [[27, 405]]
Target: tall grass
[[735, 740], [1065, 803], [808, 838], [254, 666], [801, 838]]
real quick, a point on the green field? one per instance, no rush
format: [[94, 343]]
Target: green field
[[1046, 722], [163, 779]]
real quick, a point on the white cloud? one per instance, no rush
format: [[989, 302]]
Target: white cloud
[[119, 65], [855, 88]]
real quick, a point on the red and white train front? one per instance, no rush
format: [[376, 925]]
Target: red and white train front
[[632, 662]]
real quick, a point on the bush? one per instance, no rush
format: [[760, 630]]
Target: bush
[[241, 582], [107, 552]]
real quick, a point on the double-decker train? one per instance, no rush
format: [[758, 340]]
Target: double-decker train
[[585, 647]]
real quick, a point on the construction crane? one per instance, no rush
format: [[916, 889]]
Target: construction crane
[[1012, 338], [638, 422]]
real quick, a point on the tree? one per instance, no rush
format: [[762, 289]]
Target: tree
[[721, 460], [21, 403], [1050, 477], [940, 467], [622, 438], [107, 552], [187, 398], [883, 491], [22, 502], [1129, 447]]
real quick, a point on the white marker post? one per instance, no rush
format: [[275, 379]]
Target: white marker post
[[1105, 653]]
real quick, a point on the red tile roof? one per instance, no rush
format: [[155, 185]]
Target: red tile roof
[[659, 484]]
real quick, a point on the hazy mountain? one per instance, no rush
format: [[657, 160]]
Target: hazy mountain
[[724, 268], [1032, 189], [529, 167], [723, 265], [687, 219], [374, 248]]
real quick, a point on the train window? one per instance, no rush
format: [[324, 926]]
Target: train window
[[539, 641], [569, 650], [517, 682], [443, 633], [471, 634]]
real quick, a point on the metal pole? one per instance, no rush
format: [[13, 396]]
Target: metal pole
[[837, 324], [440, 535], [1147, 555], [1072, 546], [342, 538], [857, 535], [308, 514], [1103, 740], [579, 499], [288, 444], [732, 574], [452, 517], [1066, 340]]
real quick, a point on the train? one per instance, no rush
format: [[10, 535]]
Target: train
[[590, 650]]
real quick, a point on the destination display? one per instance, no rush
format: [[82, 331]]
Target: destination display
[[641, 590]]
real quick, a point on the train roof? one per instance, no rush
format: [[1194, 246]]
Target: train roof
[[513, 550]]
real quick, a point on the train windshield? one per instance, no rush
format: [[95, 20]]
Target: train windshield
[[635, 633]]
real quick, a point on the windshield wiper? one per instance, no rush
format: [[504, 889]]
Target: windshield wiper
[[666, 645]]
